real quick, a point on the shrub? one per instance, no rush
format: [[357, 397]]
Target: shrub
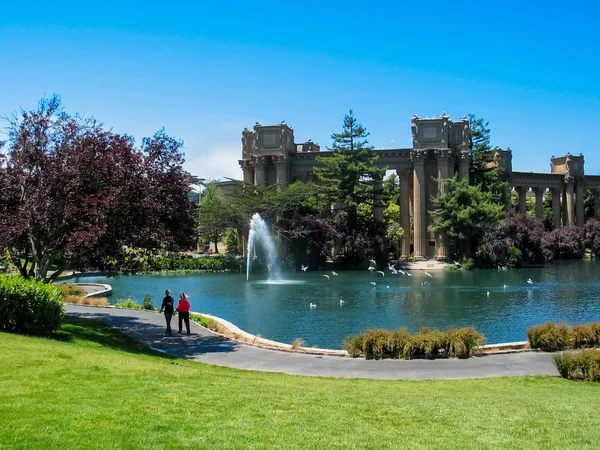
[[29, 306], [70, 289], [586, 335], [468, 264], [463, 342], [425, 343], [94, 301], [127, 304], [549, 336], [567, 242], [297, 344], [515, 257], [375, 344], [207, 322], [354, 344], [378, 343], [148, 304], [578, 365], [147, 261], [565, 363]]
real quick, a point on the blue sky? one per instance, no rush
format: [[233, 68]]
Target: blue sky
[[206, 71]]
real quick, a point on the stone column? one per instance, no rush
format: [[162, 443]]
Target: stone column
[[596, 203], [405, 210], [378, 201], [522, 199], [281, 171], [569, 182], [556, 207], [539, 205], [419, 203], [248, 169], [564, 208], [579, 218], [260, 163], [443, 172], [463, 164]]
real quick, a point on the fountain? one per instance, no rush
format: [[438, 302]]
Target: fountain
[[259, 233]]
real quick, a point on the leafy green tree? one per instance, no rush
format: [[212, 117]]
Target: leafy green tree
[[463, 213], [212, 214], [394, 232], [588, 204], [349, 173]]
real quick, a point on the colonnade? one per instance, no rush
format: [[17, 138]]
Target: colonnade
[[567, 202]]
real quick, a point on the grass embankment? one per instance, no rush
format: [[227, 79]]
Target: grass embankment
[[93, 387]]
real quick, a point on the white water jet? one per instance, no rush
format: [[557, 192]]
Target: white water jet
[[259, 233]]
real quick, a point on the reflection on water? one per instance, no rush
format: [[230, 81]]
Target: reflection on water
[[279, 310]]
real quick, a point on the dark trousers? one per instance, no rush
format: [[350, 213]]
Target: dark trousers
[[168, 317], [184, 316]]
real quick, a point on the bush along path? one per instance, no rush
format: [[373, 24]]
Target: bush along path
[[204, 346]]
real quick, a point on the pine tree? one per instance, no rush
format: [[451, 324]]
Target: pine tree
[[349, 173]]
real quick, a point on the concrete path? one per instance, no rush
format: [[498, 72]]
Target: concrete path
[[206, 347]]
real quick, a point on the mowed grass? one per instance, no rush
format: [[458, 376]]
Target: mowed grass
[[92, 387]]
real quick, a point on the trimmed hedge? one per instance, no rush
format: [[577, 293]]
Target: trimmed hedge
[[400, 344], [582, 365], [148, 261], [552, 337], [29, 306], [549, 336]]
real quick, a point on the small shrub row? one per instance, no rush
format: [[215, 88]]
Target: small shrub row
[[583, 365], [552, 337], [70, 289], [128, 304], [92, 301], [400, 344], [207, 322], [29, 306]]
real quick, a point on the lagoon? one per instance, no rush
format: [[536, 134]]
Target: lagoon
[[566, 291]]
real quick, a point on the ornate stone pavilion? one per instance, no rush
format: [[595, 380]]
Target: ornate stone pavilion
[[440, 149]]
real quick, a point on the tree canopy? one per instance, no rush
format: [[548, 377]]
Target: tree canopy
[[463, 213], [349, 173], [75, 191]]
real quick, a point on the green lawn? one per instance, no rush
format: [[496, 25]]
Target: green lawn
[[91, 387]]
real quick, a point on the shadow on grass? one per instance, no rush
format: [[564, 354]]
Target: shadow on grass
[[87, 330]]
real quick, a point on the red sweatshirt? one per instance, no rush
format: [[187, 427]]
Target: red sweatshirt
[[183, 306]]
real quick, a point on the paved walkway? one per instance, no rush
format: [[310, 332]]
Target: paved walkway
[[206, 347]]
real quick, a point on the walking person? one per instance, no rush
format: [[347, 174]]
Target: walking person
[[183, 308], [167, 305]]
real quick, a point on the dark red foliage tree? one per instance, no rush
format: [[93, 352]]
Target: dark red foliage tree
[[72, 192], [520, 231], [592, 235], [568, 242]]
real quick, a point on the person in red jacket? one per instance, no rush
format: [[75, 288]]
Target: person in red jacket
[[183, 308]]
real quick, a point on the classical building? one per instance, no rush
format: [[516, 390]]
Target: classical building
[[440, 149]]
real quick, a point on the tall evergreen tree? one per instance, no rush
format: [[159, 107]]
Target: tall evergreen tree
[[349, 173], [482, 172]]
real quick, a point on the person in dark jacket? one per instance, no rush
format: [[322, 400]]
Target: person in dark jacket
[[167, 305]]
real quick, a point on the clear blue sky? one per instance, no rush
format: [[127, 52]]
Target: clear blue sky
[[206, 70]]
